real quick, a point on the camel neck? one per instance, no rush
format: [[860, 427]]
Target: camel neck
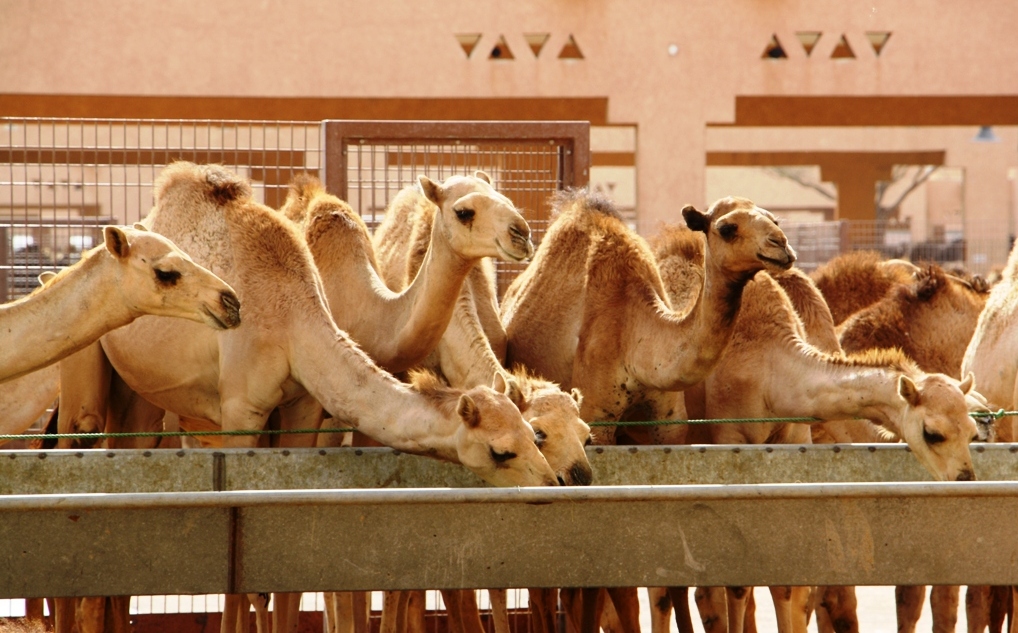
[[74, 310], [684, 349], [833, 390], [353, 388]]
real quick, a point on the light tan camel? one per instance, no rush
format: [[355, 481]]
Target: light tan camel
[[134, 273], [591, 312], [770, 326], [991, 355], [931, 319], [473, 345], [24, 400], [469, 220], [852, 281]]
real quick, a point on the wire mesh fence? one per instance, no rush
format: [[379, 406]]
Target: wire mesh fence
[[61, 180]]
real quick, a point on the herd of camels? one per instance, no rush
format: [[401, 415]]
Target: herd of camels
[[301, 318]]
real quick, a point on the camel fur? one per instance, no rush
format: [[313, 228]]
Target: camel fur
[[852, 281]]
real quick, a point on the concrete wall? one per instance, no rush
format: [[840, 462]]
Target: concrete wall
[[668, 68]]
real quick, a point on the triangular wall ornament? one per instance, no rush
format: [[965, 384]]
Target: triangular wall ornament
[[468, 41], [536, 41], [570, 50], [774, 49], [501, 50], [877, 40], [809, 40], [843, 50]]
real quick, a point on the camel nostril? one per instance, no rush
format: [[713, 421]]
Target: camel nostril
[[581, 474], [966, 475], [561, 481]]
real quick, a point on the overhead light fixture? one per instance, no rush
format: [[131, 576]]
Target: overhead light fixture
[[985, 135]]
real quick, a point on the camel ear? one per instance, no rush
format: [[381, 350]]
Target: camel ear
[[577, 396], [498, 383], [116, 242], [695, 220], [467, 410], [46, 276], [513, 391], [908, 390], [967, 384], [432, 190], [138, 226], [480, 175]]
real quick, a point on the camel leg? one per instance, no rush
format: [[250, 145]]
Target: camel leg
[[1013, 628], [627, 605], [118, 614], [737, 598], [390, 612], [610, 622], [63, 614], [470, 613], [977, 608], [800, 605], [749, 620], [711, 604], [1001, 607], [782, 597], [836, 609], [543, 609], [499, 610], [304, 413], [591, 605], [90, 616], [944, 605], [908, 602], [285, 611], [416, 611], [680, 603], [453, 615], [34, 610], [361, 612], [260, 602], [232, 606], [660, 609]]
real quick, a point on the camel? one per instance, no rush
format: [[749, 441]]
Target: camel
[[591, 312], [931, 319], [990, 355], [852, 281], [24, 400], [769, 326], [468, 220], [473, 345], [135, 272]]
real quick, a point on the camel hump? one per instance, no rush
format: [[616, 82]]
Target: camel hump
[[584, 201], [218, 183], [676, 240], [305, 185]]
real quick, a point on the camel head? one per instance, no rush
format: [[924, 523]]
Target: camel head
[[477, 220], [741, 237], [562, 436], [156, 277], [937, 425], [492, 438]]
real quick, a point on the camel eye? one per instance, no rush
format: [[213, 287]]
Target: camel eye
[[932, 437], [167, 277], [501, 458], [541, 437], [464, 215], [728, 231]]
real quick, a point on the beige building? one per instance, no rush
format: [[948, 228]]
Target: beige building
[[688, 101]]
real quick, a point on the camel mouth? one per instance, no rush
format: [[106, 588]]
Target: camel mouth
[[512, 257], [777, 263]]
